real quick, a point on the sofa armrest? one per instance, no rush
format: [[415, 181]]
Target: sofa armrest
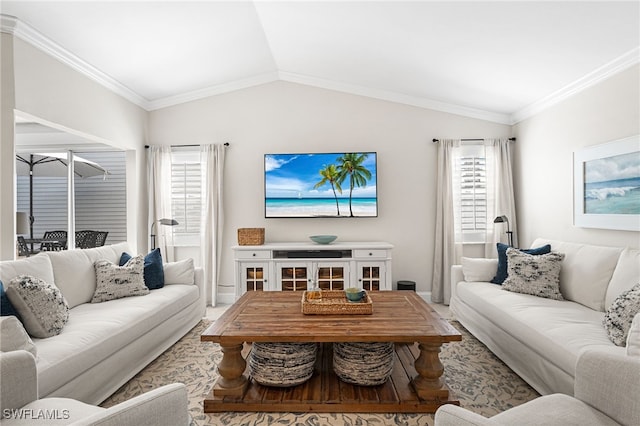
[[456, 277], [164, 406], [452, 415], [18, 380], [611, 384]]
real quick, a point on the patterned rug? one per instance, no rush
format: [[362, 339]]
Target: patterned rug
[[480, 380]]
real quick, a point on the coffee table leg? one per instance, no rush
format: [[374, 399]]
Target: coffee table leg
[[429, 384], [231, 380]]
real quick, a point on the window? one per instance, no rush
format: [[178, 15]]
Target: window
[[470, 193], [186, 196]]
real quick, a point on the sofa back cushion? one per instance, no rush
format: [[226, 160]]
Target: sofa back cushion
[[586, 271], [37, 266], [625, 276], [74, 273]]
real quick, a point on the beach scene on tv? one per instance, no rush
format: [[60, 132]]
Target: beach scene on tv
[[321, 185]]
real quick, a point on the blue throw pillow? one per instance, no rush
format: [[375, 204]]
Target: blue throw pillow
[[153, 271], [6, 308], [501, 274]]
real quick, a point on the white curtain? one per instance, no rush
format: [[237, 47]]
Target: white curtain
[[159, 183], [212, 162], [447, 251], [501, 200]]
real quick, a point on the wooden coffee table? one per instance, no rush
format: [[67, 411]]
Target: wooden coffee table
[[416, 384]]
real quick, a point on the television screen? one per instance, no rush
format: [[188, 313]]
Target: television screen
[[321, 185]]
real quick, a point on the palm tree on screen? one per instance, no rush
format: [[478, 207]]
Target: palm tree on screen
[[330, 175], [350, 164]]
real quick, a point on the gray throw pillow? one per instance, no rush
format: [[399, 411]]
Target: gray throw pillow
[[618, 318], [538, 275], [42, 308], [115, 282]]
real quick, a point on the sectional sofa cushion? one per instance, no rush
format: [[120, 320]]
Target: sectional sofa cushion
[[618, 318], [77, 282], [115, 282], [538, 275], [153, 271], [13, 336], [624, 276], [478, 269], [586, 271], [37, 266], [180, 272], [503, 262], [42, 308]]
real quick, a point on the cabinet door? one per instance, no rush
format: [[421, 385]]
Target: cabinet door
[[371, 275], [331, 276], [294, 276], [254, 276]]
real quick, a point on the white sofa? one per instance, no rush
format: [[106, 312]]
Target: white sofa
[[20, 405], [103, 345], [606, 394], [541, 339]]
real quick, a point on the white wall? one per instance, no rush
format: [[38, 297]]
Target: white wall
[[285, 117], [605, 112], [57, 95]]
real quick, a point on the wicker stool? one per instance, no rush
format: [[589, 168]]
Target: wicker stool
[[282, 364], [365, 364]]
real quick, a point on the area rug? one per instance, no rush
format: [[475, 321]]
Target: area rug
[[480, 380]]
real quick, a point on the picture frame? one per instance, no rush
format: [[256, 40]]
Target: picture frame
[[606, 185]]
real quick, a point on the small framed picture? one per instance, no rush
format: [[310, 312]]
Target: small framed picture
[[606, 185]]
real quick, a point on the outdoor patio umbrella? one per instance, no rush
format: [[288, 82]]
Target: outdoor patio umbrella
[[53, 165]]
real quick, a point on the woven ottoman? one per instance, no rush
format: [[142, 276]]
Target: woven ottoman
[[365, 364], [282, 364]]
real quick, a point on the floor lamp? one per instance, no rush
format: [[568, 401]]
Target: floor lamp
[[165, 222], [504, 219]]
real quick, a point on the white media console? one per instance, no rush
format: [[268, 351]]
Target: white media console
[[301, 266]]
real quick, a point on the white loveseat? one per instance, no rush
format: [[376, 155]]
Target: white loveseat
[[103, 345], [541, 339]]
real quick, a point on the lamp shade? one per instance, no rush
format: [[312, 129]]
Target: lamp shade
[[22, 223]]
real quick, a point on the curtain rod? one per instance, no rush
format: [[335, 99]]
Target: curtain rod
[[180, 146], [470, 140]]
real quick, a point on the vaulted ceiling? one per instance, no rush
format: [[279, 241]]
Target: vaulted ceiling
[[499, 60]]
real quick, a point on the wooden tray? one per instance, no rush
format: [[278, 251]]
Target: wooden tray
[[335, 302]]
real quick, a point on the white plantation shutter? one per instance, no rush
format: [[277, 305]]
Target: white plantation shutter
[[470, 193], [186, 196]]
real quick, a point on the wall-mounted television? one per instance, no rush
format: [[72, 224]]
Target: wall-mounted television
[[321, 185]]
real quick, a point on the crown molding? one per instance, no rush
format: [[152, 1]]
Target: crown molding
[[213, 91], [395, 97], [603, 73], [12, 25]]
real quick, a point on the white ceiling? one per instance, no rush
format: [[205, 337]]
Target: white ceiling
[[494, 60]]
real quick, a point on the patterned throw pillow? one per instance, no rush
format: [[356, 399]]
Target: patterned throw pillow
[[538, 275], [503, 266], [42, 308], [153, 271], [618, 318], [115, 282]]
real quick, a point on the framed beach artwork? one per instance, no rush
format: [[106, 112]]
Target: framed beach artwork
[[607, 185]]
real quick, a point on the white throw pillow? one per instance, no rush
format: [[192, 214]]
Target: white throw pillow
[[537, 275], [618, 318], [43, 309], [181, 272], [13, 336], [479, 269], [115, 282], [633, 338]]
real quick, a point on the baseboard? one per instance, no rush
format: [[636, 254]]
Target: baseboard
[[229, 299]]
